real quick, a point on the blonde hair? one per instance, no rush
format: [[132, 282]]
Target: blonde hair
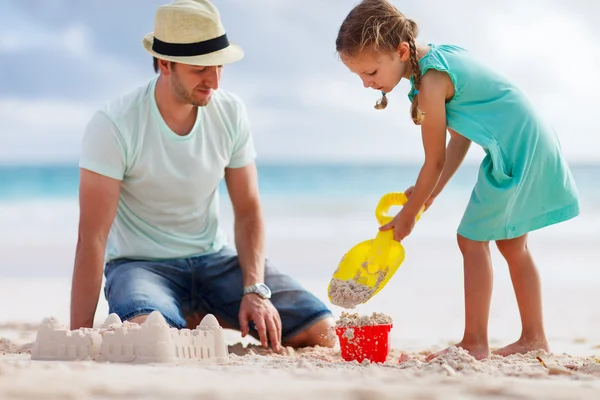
[[378, 26]]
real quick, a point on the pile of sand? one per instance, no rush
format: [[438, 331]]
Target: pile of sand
[[349, 294], [352, 320]]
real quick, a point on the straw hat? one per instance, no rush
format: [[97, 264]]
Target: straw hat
[[191, 32]]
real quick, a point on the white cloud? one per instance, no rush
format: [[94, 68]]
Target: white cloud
[[38, 130], [74, 40]]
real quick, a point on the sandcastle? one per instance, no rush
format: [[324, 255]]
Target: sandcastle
[[154, 341]]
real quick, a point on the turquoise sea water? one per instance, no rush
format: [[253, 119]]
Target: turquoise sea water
[[35, 182]]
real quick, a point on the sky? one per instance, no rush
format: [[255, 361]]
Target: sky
[[62, 59]]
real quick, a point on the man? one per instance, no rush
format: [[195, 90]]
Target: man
[[150, 165]]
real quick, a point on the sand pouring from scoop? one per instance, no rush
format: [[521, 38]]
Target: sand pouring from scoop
[[369, 266]]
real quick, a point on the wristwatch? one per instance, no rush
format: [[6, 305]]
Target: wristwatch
[[260, 289]]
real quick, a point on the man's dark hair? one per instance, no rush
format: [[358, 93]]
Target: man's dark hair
[[155, 63]]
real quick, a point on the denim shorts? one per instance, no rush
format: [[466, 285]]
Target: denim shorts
[[207, 284]]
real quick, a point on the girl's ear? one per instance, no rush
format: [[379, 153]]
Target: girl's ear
[[404, 51]]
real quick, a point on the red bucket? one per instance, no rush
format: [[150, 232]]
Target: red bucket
[[365, 342]]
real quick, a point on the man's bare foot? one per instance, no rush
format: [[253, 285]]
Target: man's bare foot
[[522, 346], [477, 351]]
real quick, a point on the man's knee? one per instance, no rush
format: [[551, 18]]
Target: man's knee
[[321, 333], [140, 319], [172, 318]]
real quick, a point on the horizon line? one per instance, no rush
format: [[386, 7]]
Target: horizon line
[[280, 162]]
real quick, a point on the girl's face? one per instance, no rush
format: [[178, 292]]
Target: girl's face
[[381, 71]]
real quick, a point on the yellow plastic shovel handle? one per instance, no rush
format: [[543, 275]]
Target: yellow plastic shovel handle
[[388, 200]]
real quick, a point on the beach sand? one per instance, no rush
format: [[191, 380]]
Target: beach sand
[[316, 373]]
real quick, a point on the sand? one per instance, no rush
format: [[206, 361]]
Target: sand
[[349, 294], [355, 319], [257, 373]]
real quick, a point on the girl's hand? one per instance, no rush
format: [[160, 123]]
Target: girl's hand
[[402, 224], [429, 201]]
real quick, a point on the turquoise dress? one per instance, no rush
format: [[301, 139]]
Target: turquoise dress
[[524, 182]]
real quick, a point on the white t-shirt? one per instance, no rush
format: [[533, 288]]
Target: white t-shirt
[[168, 207]]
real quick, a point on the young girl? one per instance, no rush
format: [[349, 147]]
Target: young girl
[[524, 183]]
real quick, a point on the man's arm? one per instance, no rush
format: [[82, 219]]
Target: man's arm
[[98, 199], [242, 184]]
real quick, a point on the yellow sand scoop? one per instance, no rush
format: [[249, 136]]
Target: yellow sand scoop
[[369, 266]]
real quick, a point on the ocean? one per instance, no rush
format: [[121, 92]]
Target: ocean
[[44, 182]]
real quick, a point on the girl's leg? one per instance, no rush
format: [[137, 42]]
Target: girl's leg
[[527, 286], [478, 278]]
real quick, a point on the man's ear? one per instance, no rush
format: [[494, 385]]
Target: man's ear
[[165, 66]]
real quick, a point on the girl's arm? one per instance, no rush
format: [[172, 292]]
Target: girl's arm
[[432, 101], [455, 154]]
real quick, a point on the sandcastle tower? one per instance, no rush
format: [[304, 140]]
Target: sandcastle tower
[[211, 333], [55, 342], [154, 341]]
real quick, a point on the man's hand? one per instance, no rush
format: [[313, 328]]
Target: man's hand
[[265, 316]]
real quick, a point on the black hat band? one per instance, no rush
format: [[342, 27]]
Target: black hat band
[[190, 49]]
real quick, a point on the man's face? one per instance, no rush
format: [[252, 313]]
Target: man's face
[[194, 85]]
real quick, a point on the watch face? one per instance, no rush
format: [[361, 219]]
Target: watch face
[[263, 290]]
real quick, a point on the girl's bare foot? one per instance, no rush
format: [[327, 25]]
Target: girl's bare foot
[[523, 346], [478, 351]]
